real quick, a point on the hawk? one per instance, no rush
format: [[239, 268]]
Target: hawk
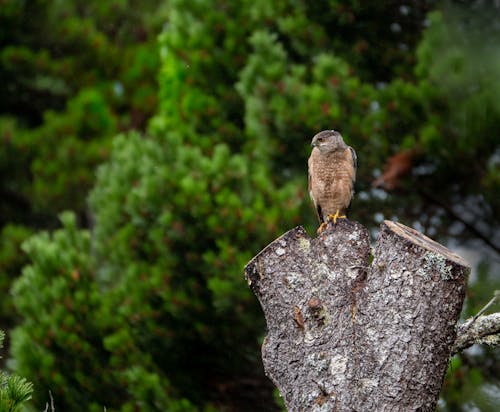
[[332, 173]]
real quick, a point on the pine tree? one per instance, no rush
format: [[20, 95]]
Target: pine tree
[[14, 390], [72, 74]]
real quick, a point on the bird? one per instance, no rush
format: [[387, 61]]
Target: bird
[[332, 172]]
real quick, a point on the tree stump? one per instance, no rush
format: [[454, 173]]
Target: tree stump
[[348, 331]]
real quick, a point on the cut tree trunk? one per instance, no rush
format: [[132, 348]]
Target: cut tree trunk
[[348, 331]]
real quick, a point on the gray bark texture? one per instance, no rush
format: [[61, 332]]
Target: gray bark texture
[[484, 330], [348, 331]]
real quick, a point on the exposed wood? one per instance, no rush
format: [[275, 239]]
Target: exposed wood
[[345, 334]]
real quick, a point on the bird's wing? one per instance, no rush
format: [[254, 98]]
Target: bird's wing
[[354, 162], [310, 172], [310, 183]]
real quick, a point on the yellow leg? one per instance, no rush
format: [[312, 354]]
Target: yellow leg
[[321, 228], [336, 216]]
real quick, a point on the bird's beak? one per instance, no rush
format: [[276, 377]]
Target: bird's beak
[[313, 143]]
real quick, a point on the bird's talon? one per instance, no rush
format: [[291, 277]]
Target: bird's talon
[[335, 217], [321, 228]]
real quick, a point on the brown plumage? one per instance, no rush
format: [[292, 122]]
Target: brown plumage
[[332, 173]]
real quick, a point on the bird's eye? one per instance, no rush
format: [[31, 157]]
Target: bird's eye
[[320, 139]]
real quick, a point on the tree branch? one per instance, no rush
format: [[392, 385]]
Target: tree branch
[[480, 330], [485, 307], [470, 227]]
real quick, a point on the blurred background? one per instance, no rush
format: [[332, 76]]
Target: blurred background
[[150, 149]]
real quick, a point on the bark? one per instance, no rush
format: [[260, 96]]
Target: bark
[[484, 330], [348, 331]]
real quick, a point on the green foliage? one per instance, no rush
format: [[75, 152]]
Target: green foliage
[[63, 171], [461, 66], [72, 74], [11, 261], [202, 48], [58, 345], [62, 343], [468, 383], [14, 390], [52, 49], [161, 239]]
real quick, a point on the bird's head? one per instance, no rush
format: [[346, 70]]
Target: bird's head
[[328, 141]]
